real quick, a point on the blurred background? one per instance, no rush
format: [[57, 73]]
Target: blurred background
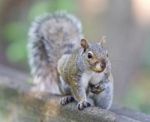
[[125, 23]]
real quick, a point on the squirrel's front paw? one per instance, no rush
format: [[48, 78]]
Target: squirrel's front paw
[[67, 99], [83, 104]]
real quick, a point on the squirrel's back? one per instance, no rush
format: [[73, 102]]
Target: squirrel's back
[[51, 36]]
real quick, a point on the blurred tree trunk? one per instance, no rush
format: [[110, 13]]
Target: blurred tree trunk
[[12, 9]]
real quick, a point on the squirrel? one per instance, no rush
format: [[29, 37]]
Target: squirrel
[[64, 63]]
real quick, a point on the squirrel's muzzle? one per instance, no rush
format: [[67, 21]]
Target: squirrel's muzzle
[[100, 65], [103, 64]]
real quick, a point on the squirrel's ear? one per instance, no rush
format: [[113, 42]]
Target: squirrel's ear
[[84, 44], [103, 40]]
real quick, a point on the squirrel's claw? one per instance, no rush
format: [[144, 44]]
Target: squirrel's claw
[[67, 99], [83, 104]]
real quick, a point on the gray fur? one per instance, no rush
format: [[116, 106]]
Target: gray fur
[[104, 98], [83, 76]]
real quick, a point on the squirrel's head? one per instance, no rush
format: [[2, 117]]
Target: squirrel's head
[[95, 55]]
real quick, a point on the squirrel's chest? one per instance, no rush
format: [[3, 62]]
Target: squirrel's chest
[[92, 77], [96, 77]]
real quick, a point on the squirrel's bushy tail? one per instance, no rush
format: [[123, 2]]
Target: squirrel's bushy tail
[[51, 36]]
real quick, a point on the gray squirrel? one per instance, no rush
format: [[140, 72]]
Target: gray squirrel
[[64, 63]]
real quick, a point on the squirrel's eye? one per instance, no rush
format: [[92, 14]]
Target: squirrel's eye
[[90, 55]]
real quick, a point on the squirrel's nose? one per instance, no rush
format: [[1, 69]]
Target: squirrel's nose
[[103, 64]]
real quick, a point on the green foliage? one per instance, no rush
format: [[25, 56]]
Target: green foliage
[[136, 99], [68, 5], [38, 9], [145, 108], [16, 32], [49, 6], [146, 57]]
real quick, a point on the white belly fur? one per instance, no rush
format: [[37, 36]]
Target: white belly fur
[[96, 77], [91, 77]]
